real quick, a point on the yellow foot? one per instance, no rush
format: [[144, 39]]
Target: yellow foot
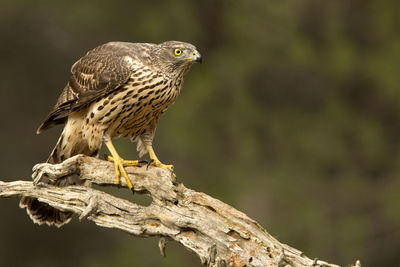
[[157, 163], [119, 164]]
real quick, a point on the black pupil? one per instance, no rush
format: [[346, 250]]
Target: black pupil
[[178, 51]]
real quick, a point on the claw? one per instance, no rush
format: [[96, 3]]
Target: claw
[[143, 162], [149, 163]]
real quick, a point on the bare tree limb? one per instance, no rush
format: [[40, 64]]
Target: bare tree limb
[[219, 234]]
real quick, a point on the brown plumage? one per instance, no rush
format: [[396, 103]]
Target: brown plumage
[[118, 89]]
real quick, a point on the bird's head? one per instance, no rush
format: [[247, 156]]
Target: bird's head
[[175, 57]]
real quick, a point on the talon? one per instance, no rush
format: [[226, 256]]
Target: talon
[[149, 163], [172, 172], [105, 156], [143, 162]]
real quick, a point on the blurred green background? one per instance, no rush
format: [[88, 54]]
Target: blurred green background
[[293, 118]]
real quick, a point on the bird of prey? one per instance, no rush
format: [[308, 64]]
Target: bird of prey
[[118, 89]]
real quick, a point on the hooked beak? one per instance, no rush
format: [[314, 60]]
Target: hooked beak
[[195, 57]]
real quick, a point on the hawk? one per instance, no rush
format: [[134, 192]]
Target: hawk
[[118, 89]]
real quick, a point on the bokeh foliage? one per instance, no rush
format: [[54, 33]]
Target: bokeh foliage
[[293, 118]]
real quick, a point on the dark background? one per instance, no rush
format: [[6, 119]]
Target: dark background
[[293, 118]]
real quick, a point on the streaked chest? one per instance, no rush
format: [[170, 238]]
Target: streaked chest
[[136, 106]]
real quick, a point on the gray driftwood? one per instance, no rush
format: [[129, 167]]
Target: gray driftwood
[[219, 234]]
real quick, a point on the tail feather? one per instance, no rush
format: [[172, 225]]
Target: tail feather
[[41, 212]]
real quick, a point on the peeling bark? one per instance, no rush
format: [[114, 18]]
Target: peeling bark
[[219, 234]]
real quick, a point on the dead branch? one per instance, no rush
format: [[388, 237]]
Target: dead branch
[[219, 234]]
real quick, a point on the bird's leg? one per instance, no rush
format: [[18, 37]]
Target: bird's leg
[[155, 162], [119, 164]]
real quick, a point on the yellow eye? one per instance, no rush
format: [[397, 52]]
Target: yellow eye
[[177, 52]]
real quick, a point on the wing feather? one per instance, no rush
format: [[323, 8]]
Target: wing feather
[[101, 71]]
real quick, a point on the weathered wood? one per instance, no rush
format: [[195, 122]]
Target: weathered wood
[[219, 234]]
